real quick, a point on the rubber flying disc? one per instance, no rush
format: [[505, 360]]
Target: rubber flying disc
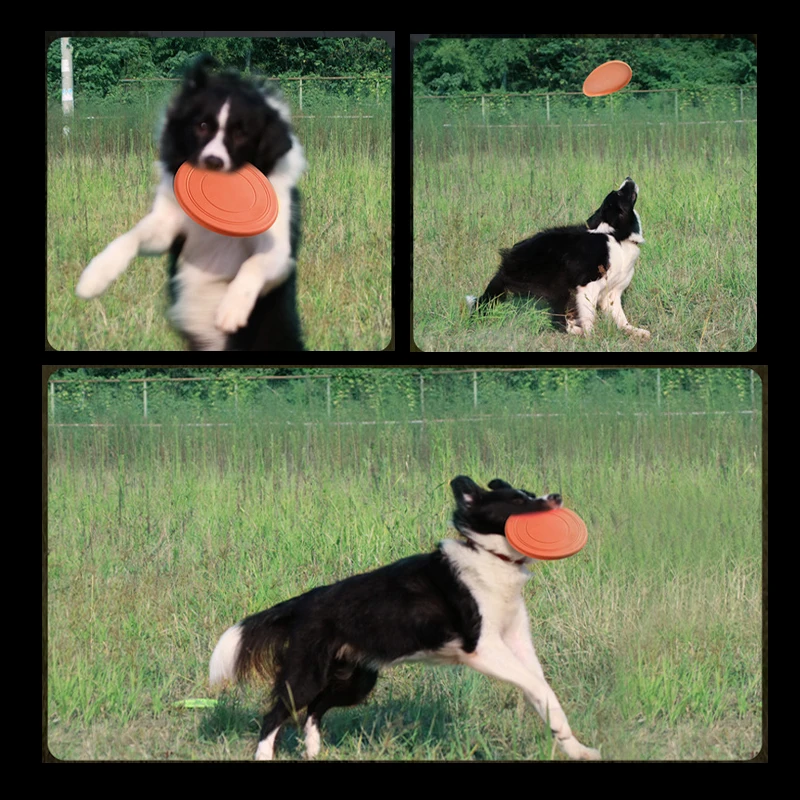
[[547, 534], [607, 78], [241, 203]]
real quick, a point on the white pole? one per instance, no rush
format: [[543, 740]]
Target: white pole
[[66, 78]]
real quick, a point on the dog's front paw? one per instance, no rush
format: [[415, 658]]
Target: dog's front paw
[[579, 752], [100, 273], [234, 311], [94, 279], [576, 329], [641, 332], [554, 500]]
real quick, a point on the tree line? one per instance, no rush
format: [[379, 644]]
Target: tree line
[[100, 64], [453, 65]]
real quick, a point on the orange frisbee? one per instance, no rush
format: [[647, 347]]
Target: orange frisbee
[[241, 203], [547, 534], [607, 78]]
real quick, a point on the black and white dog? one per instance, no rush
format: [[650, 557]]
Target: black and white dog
[[228, 293], [577, 269], [461, 604]]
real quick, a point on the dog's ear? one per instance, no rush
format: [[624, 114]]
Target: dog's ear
[[196, 77], [275, 144], [498, 484], [465, 490]]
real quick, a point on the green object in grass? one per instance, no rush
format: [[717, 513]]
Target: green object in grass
[[196, 702]]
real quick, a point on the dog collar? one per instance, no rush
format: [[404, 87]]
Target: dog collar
[[472, 546]]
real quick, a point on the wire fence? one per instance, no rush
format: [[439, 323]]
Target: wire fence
[[709, 105], [409, 397], [306, 94]]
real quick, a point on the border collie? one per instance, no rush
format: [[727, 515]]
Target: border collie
[[461, 604], [577, 269], [227, 293]]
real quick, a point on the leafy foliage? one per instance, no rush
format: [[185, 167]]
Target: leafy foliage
[[100, 64], [445, 66]]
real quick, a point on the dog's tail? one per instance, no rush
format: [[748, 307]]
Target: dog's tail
[[222, 668], [252, 646]]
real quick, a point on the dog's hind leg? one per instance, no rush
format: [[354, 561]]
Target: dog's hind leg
[[270, 728], [348, 686], [293, 691]]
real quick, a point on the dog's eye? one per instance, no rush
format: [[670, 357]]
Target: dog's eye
[[202, 127]]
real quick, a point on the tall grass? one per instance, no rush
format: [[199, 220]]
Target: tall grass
[[100, 182], [161, 537], [480, 189]]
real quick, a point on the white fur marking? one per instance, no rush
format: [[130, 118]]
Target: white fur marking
[[221, 668], [216, 147], [606, 292], [266, 747], [152, 235], [505, 650], [312, 737]]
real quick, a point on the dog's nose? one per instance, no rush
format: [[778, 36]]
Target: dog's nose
[[213, 163]]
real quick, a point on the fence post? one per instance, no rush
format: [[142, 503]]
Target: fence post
[[421, 395], [329, 396], [483, 108], [67, 98], [658, 388], [52, 401], [301, 94], [547, 99], [475, 389], [145, 399]]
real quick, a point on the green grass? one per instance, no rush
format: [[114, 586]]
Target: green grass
[[161, 537], [477, 190], [101, 181]]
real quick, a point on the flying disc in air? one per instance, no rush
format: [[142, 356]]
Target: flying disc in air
[[547, 534], [241, 203], [607, 78]]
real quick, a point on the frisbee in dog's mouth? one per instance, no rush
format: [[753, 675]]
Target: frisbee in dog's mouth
[[547, 534], [241, 203]]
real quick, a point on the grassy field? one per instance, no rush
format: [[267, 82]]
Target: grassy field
[[161, 537], [479, 189], [100, 182]]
